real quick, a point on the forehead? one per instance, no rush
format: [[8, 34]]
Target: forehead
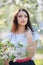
[[22, 13]]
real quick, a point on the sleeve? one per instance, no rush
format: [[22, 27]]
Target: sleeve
[[7, 37], [35, 36]]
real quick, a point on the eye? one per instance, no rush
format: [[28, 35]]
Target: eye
[[20, 16], [25, 16]]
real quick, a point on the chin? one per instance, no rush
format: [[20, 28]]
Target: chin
[[23, 23]]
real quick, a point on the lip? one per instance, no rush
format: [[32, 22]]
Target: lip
[[23, 21]]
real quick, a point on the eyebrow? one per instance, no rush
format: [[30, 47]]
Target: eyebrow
[[21, 14]]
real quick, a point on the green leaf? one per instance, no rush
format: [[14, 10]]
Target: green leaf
[[20, 45], [1, 45], [12, 57], [10, 45], [27, 53]]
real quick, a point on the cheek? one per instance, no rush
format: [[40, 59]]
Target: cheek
[[19, 20], [26, 19]]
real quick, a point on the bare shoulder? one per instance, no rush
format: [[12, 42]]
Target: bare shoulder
[[29, 31], [29, 35]]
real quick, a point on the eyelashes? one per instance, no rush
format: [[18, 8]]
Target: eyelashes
[[25, 16]]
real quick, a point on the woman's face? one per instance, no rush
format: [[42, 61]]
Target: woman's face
[[22, 18]]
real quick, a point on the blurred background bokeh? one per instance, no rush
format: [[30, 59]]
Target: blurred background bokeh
[[8, 8]]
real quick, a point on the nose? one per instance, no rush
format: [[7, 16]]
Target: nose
[[23, 18]]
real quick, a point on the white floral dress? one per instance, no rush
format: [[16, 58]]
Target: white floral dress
[[20, 42]]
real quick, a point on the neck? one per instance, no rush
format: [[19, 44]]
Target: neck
[[21, 29]]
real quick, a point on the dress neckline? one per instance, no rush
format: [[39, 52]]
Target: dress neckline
[[18, 33]]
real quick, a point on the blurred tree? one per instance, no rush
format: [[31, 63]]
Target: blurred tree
[[9, 7]]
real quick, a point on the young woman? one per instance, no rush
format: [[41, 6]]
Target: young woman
[[22, 31]]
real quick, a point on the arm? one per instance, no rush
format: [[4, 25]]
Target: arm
[[31, 45], [6, 62], [31, 49]]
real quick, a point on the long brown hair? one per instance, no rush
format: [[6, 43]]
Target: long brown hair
[[15, 22]]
